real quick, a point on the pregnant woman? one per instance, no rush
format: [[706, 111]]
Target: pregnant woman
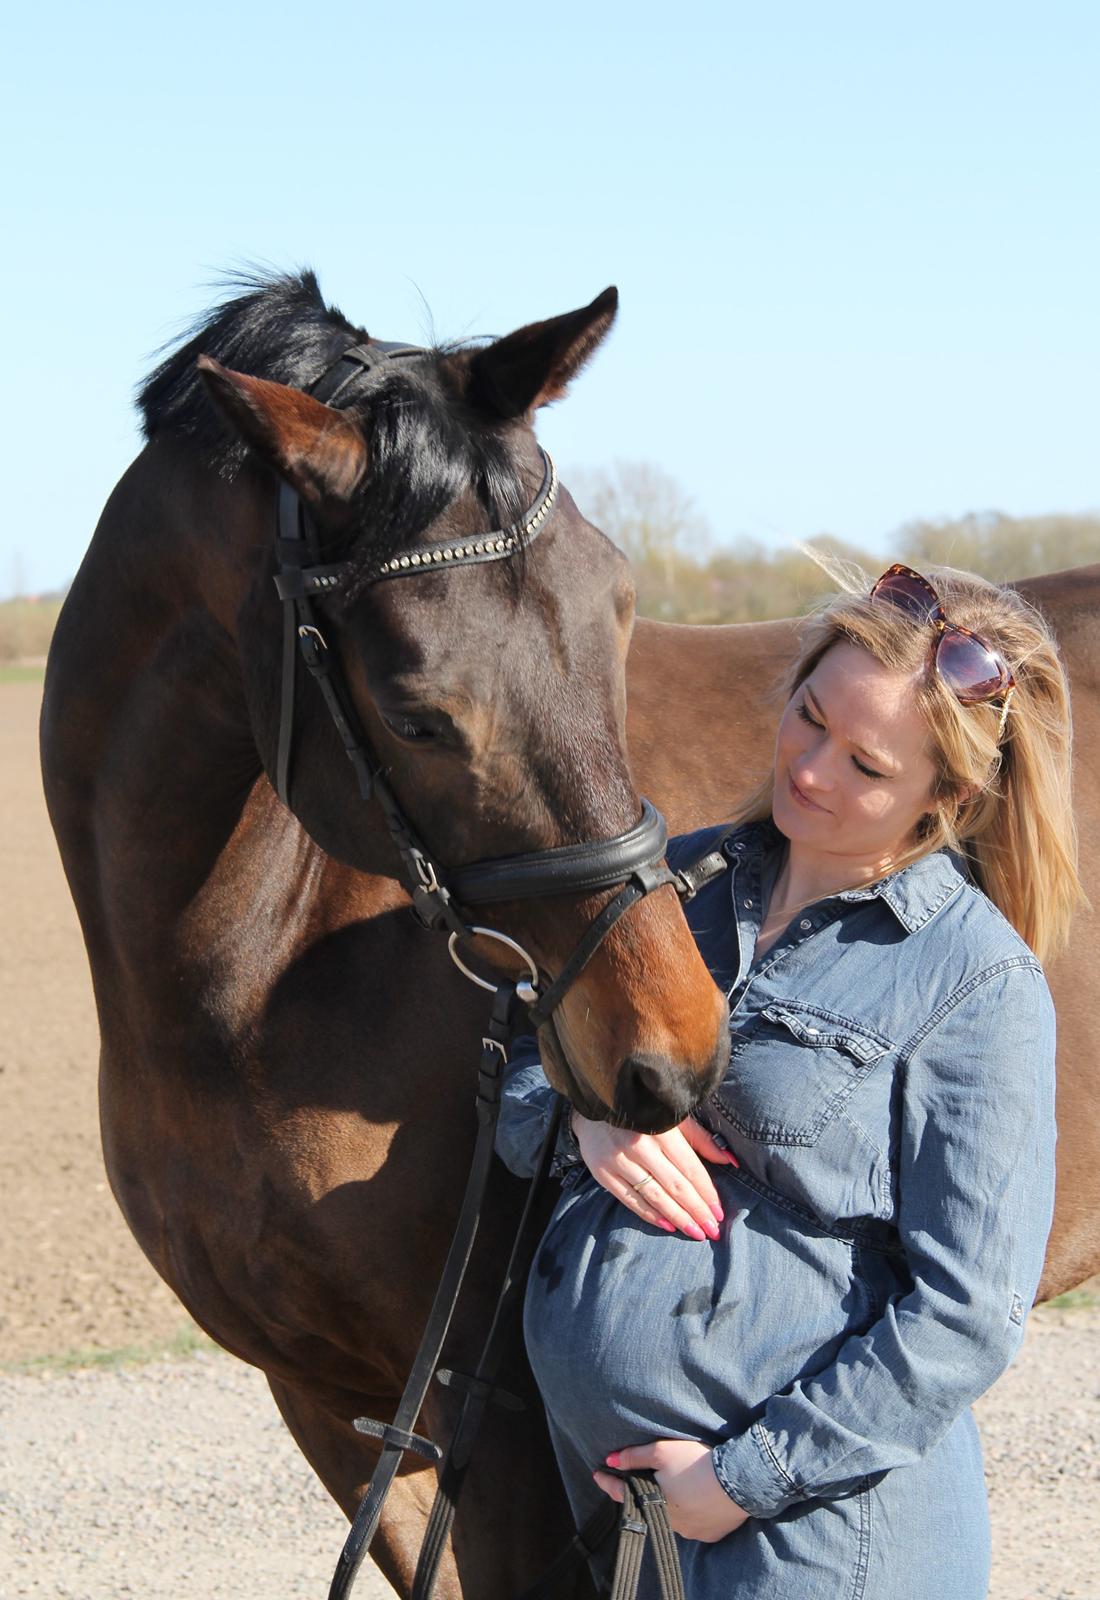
[[786, 1305]]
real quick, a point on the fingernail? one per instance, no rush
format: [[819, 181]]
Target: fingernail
[[719, 1214], [733, 1160], [710, 1229], [667, 1226], [694, 1232], [614, 1459]]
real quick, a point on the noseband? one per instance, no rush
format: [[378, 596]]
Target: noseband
[[633, 860]]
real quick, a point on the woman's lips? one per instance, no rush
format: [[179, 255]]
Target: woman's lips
[[803, 800]]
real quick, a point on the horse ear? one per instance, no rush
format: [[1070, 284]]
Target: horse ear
[[534, 365], [318, 450]]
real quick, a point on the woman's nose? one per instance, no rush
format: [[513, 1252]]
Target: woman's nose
[[811, 775]]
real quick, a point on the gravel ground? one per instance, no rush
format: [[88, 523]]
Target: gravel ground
[[175, 1479], [178, 1479]]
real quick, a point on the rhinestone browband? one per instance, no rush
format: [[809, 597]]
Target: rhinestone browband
[[490, 547]]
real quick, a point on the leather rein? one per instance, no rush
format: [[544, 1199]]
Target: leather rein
[[632, 862]]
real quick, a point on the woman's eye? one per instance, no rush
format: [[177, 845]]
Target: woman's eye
[[868, 772]]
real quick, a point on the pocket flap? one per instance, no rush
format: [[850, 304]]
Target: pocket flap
[[826, 1032]]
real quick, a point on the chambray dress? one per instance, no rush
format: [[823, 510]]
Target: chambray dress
[[890, 1098]]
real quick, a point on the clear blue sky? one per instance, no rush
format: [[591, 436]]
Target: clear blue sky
[[858, 245]]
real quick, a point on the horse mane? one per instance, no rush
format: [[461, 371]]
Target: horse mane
[[426, 446]]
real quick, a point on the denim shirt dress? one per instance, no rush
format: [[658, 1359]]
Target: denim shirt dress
[[890, 1099]]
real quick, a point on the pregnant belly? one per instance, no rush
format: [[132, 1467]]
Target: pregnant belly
[[635, 1334]]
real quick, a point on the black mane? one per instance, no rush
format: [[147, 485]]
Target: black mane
[[425, 446]]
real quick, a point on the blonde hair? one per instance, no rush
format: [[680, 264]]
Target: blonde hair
[[1016, 830]]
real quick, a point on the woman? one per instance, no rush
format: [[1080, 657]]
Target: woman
[[852, 1266]]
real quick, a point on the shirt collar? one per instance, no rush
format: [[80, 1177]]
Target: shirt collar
[[914, 893]]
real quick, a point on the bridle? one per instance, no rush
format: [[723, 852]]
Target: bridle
[[632, 860]]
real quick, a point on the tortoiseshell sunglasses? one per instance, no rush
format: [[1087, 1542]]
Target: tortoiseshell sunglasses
[[971, 669]]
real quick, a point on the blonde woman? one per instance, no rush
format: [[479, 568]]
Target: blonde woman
[[786, 1305]]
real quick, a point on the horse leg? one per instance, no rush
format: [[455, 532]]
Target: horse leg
[[344, 1460]]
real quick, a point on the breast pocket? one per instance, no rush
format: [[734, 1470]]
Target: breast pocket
[[792, 1068]]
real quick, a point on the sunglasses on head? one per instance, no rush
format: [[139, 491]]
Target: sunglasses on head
[[971, 669]]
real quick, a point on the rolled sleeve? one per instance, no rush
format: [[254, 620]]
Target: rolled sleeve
[[526, 1106], [976, 1193]]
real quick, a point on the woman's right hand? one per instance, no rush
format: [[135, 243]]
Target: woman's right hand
[[658, 1176]]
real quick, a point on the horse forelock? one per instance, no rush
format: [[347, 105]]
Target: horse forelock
[[426, 446]]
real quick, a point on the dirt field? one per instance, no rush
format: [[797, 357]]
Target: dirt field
[[74, 1281]]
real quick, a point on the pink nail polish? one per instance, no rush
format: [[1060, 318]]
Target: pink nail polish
[[719, 1214], [614, 1459], [694, 1232], [711, 1229], [667, 1226], [734, 1161]]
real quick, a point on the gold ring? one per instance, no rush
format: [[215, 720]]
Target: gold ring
[[641, 1183]]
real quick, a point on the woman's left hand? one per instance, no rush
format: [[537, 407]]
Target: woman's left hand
[[698, 1506]]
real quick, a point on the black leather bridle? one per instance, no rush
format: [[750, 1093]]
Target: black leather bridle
[[632, 861]]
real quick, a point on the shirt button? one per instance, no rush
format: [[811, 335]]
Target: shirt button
[[748, 905], [805, 924], [739, 846]]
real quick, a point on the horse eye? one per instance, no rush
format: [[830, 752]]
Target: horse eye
[[408, 727]]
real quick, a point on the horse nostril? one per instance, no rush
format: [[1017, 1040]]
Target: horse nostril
[[652, 1094]]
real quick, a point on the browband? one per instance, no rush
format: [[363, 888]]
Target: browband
[[295, 582]]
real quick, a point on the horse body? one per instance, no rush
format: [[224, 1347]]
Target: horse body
[[287, 1065]]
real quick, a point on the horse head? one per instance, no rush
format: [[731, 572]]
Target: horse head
[[491, 687]]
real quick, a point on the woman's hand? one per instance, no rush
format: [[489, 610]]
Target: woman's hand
[[698, 1506], [659, 1176]]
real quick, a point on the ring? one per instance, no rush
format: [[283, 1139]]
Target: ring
[[641, 1183]]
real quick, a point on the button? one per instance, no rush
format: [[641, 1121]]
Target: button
[[805, 924], [812, 1032], [740, 845], [748, 905]]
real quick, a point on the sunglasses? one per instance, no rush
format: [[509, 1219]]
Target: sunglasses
[[971, 669]]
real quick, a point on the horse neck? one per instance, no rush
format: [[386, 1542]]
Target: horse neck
[[152, 775]]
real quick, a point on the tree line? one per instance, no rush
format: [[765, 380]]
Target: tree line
[[683, 574]]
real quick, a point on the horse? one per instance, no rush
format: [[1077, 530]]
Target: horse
[[286, 1068], [285, 1076]]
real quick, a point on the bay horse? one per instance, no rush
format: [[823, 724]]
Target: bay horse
[[286, 1067], [288, 1056]]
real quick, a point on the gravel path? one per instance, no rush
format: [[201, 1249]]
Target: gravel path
[[177, 1479]]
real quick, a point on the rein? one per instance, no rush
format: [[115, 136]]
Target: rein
[[632, 862]]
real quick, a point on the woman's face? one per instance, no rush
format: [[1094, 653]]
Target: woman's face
[[853, 773]]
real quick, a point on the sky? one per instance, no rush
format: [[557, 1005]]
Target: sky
[[857, 245]]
